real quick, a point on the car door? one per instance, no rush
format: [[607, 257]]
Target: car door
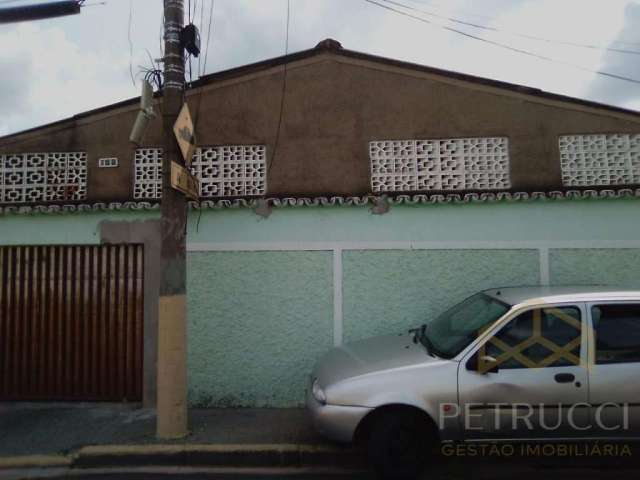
[[614, 368], [538, 388]]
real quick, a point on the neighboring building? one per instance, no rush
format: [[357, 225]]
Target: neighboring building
[[393, 191]]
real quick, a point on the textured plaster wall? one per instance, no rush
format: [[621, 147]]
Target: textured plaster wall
[[389, 291], [257, 323], [595, 266]]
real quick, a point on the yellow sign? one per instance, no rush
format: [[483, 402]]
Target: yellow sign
[[518, 352], [185, 134], [184, 181]]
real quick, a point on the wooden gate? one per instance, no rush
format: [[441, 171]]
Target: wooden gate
[[71, 322]]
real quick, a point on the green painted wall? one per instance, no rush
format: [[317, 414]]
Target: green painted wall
[[62, 228], [389, 291], [259, 320], [595, 266], [544, 220], [257, 323]]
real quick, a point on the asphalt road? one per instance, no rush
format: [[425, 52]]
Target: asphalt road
[[460, 471], [220, 476]]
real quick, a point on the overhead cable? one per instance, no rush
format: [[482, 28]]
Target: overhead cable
[[504, 46]]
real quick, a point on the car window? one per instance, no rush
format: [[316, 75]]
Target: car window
[[617, 333], [542, 337], [456, 328]]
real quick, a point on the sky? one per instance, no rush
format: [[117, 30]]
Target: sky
[[53, 69]]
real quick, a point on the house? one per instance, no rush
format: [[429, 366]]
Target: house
[[384, 193]]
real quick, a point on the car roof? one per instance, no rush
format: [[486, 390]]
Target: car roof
[[556, 294]]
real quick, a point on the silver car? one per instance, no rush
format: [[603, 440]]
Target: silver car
[[507, 363]]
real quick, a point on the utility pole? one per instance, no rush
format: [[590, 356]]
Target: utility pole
[[172, 324]]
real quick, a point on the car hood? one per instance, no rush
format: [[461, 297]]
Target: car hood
[[372, 355]]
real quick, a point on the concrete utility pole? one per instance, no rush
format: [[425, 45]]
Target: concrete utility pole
[[172, 324]]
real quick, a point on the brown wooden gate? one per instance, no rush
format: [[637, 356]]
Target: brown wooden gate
[[71, 322]]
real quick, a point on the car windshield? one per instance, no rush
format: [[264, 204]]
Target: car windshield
[[452, 331]]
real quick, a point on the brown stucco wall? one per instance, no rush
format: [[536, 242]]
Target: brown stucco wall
[[102, 135], [334, 106]]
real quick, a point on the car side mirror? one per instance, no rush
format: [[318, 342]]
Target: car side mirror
[[483, 364]]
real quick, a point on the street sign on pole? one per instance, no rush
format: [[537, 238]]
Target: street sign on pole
[[185, 134], [184, 181]]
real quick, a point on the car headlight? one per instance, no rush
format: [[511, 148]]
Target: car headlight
[[318, 393]]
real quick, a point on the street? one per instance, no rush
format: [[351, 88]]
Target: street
[[489, 468], [459, 472], [56, 428]]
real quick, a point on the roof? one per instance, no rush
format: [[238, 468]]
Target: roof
[[334, 47], [557, 294]]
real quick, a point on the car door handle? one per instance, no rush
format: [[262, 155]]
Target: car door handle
[[565, 377]]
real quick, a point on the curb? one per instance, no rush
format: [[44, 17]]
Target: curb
[[35, 461], [209, 455], [260, 455]]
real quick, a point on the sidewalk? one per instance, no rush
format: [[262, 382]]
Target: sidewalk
[[90, 435], [47, 428], [93, 436]]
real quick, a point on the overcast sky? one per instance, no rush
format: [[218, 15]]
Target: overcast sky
[[53, 69]]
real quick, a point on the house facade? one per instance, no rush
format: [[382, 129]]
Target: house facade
[[384, 193]]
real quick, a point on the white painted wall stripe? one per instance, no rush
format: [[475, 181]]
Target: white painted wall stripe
[[544, 266], [404, 245], [337, 296]]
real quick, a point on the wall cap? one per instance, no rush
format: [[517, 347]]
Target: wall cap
[[333, 201]]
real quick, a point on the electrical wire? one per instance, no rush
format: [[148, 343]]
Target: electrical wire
[[441, 6], [206, 53], [153, 75], [504, 46], [491, 18], [160, 34], [283, 93], [195, 12], [511, 32], [201, 26], [199, 100], [131, 43]]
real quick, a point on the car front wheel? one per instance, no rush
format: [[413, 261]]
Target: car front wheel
[[399, 444]]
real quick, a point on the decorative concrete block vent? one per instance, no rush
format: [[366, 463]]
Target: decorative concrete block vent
[[590, 160], [231, 170], [223, 171], [147, 180], [40, 177], [480, 163]]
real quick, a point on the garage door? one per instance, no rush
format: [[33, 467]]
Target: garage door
[[71, 322]]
